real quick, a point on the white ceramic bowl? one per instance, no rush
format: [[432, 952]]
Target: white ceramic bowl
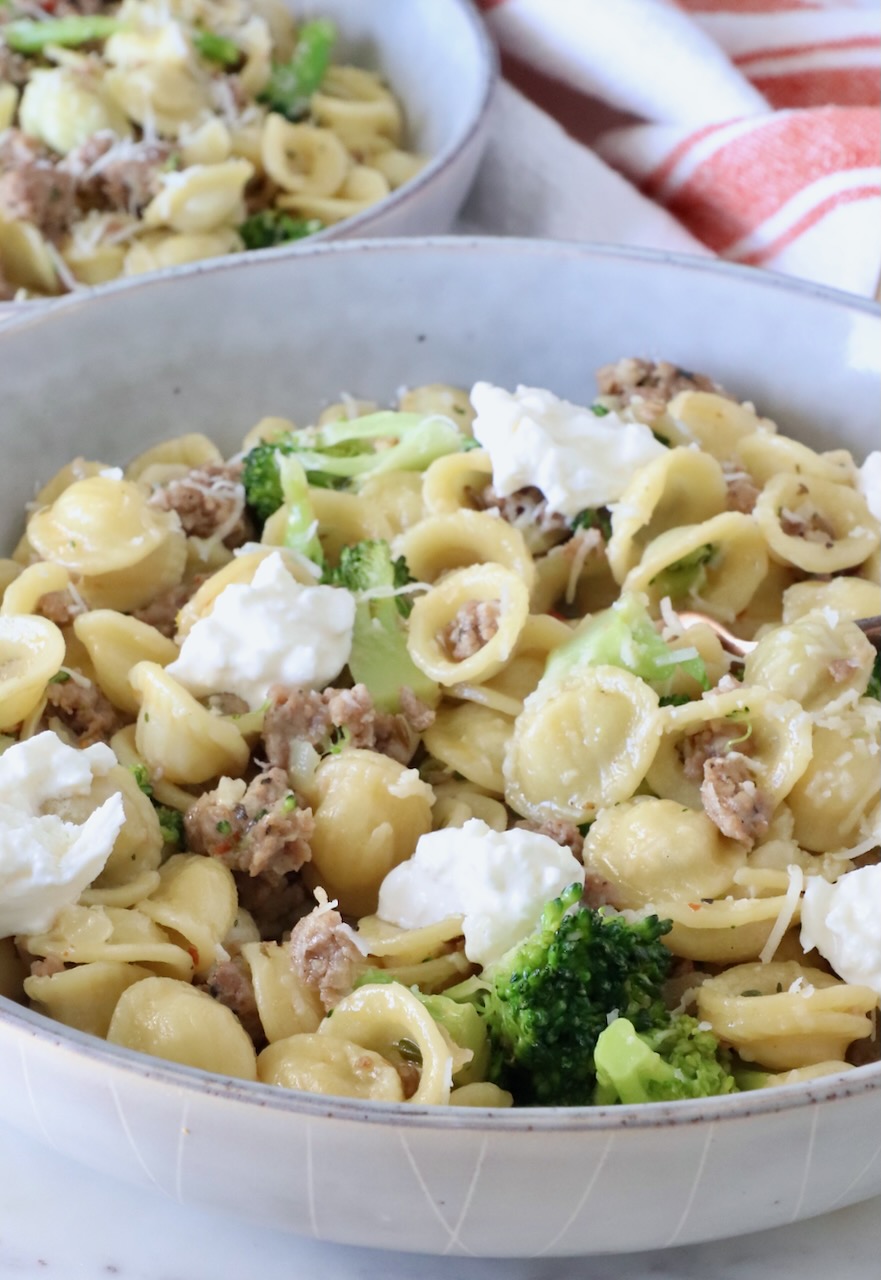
[[214, 348], [440, 62]]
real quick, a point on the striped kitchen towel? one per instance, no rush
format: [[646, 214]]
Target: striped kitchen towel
[[754, 124]]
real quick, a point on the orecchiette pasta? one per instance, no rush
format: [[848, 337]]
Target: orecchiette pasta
[[367, 712]]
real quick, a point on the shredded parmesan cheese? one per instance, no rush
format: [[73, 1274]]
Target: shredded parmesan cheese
[[787, 912]]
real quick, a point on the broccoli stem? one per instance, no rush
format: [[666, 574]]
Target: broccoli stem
[[291, 84], [215, 48], [27, 36]]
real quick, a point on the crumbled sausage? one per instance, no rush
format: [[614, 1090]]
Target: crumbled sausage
[[163, 609], [474, 625], [528, 510], [210, 501], [14, 67], [564, 833], [265, 832], [653, 382], [733, 801], [697, 748], [324, 955], [810, 526], [274, 904], [229, 982], [59, 607], [305, 715], [122, 176], [741, 492], [83, 709], [33, 188]]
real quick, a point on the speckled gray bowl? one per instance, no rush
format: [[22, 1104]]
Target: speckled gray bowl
[[214, 348]]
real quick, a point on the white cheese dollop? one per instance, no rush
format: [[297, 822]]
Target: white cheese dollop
[[271, 630], [499, 881], [45, 862], [843, 921], [577, 459], [870, 482]]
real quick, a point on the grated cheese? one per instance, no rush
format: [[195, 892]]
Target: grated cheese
[[786, 914]]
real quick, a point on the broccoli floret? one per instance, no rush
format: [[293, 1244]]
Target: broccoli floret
[[874, 687], [594, 518], [291, 84], [547, 1000], [379, 657], [686, 576], [301, 527], [624, 636], [141, 775], [218, 49], [340, 453], [674, 1060], [171, 824], [274, 226]]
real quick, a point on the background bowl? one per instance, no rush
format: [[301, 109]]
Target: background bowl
[[440, 63], [214, 348]]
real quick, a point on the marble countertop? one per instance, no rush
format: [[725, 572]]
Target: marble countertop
[[59, 1221]]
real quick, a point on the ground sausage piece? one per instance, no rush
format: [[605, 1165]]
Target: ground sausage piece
[[695, 750], [210, 501], [732, 801], [119, 176], [528, 510], [84, 710], [14, 68], [266, 832], [274, 904], [163, 609], [33, 188], [305, 715], [229, 982], [657, 382], [564, 833], [812, 527], [599, 892], [741, 493], [474, 625], [324, 956], [47, 966], [59, 607]]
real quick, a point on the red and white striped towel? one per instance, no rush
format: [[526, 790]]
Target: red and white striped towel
[[754, 124]]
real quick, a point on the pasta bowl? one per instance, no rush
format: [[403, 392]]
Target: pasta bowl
[[213, 130], [219, 346]]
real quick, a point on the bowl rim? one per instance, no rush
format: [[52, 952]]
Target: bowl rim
[[141, 1069], [42, 310], [23, 1022]]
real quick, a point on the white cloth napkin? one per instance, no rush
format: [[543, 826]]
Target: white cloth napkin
[[748, 129]]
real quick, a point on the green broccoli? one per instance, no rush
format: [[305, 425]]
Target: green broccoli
[[301, 526], [218, 49], [594, 518], [171, 822], [674, 1060], [873, 689], [379, 657], [624, 636], [291, 84], [274, 226], [547, 1000], [339, 453], [29, 37], [688, 575]]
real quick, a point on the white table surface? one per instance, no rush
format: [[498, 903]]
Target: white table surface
[[59, 1221]]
